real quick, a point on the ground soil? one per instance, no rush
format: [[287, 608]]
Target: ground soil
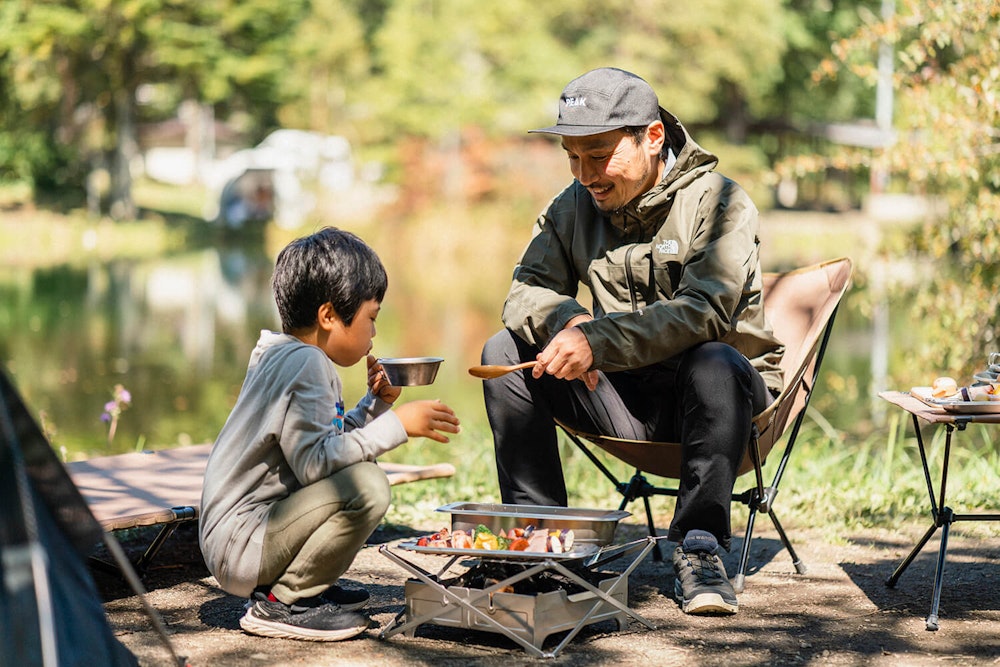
[[840, 612]]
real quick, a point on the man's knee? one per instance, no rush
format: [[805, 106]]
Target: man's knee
[[712, 366], [715, 358], [498, 348]]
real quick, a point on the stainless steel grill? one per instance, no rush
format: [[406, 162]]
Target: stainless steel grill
[[525, 596]]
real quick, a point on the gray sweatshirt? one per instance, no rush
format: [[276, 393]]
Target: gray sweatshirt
[[287, 430]]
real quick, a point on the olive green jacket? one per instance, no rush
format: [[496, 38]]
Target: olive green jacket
[[675, 267]]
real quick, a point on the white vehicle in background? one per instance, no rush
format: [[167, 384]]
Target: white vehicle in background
[[267, 182]]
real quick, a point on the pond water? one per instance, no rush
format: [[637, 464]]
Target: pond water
[[177, 332]]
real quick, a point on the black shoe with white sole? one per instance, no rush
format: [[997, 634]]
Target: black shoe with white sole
[[348, 599], [701, 585], [312, 619]]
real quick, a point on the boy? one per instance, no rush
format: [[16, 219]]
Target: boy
[[292, 490]]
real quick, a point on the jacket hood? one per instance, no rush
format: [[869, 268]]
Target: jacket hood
[[269, 339]]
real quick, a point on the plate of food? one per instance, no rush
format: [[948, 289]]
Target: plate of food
[[976, 399], [517, 544]]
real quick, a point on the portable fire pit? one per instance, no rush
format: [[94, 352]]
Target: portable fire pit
[[523, 595]]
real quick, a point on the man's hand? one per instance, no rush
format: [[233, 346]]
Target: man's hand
[[568, 355]]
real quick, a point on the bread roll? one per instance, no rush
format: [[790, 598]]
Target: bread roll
[[944, 387]]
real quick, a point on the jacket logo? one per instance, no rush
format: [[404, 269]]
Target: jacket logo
[[668, 247], [576, 101]]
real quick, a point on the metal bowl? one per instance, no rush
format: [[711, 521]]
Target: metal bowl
[[411, 371]]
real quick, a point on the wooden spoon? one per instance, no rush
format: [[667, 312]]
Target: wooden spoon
[[489, 372]]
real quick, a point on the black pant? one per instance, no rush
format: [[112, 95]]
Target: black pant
[[704, 398]]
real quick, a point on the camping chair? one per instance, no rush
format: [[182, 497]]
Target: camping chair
[[801, 305]]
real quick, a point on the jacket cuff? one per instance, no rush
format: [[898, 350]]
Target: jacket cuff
[[564, 313]]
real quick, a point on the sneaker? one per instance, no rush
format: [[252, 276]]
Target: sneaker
[[347, 599], [312, 619], [701, 585]]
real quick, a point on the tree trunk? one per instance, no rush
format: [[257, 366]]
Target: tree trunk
[[735, 115], [122, 207]]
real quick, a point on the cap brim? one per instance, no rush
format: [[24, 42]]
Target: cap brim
[[576, 130]]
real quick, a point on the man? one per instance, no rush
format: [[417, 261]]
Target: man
[[676, 347]]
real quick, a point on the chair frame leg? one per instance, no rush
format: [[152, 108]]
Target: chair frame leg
[[758, 498]]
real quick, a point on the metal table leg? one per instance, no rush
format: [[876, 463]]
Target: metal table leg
[[941, 515], [932, 618]]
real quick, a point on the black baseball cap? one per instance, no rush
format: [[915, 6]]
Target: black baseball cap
[[604, 99]]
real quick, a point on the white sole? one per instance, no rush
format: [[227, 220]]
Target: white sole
[[264, 628], [704, 603], [709, 603]]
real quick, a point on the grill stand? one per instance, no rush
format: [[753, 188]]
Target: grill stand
[[474, 601]]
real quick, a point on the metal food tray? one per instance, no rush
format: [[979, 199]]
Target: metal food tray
[[581, 551], [588, 525], [923, 394]]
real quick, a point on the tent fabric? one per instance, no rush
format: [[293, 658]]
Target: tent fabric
[[50, 611]]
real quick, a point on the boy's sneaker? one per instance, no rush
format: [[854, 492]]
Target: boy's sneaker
[[312, 619], [701, 585], [347, 599]]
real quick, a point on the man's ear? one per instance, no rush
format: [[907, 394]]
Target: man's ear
[[656, 134]]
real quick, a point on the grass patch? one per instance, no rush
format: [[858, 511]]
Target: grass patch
[[834, 480]]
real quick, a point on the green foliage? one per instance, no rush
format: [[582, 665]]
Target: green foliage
[[376, 71], [325, 71], [803, 94], [947, 71], [833, 480], [74, 69]]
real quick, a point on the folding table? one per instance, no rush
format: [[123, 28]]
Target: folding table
[[942, 515], [163, 488]]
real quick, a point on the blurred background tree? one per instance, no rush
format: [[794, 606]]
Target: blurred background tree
[[754, 79], [947, 146], [80, 75], [73, 71]]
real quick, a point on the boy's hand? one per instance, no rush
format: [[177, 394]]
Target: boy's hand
[[378, 383], [426, 418]]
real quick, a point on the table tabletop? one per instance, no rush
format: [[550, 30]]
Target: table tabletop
[[935, 415]]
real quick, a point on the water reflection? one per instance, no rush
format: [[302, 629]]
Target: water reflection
[[177, 332]]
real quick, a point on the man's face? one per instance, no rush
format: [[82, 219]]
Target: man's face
[[613, 167]]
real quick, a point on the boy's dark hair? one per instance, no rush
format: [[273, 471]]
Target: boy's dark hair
[[330, 265]]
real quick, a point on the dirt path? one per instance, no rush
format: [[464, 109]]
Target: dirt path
[[839, 613]]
